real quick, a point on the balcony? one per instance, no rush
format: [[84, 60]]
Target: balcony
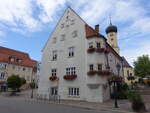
[[70, 77]]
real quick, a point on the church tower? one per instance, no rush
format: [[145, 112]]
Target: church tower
[[111, 32]]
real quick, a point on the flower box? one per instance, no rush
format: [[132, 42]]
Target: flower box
[[70, 77], [92, 72], [104, 72], [106, 51], [100, 50], [91, 50], [53, 78]]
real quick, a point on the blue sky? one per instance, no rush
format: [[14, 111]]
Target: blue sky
[[26, 25]]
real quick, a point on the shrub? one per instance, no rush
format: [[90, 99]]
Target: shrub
[[23, 81], [136, 100], [14, 82]]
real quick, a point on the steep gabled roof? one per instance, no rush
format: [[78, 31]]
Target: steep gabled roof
[[6, 54], [125, 63]]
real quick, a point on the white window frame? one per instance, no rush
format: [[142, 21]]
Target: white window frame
[[91, 67], [74, 33], [54, 72], [71, 51], [91, 45], [99, 67], [73, 91], [54, 55], [71, 71], [98, 44]]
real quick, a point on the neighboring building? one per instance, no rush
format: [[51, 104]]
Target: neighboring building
[[128, 70], [77, 62], [17, 63], [112, 40]]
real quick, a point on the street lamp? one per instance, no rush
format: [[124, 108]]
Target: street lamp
[[32, 88], [115, 85]]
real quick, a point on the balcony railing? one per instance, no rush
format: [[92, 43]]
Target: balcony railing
[[99, 72]]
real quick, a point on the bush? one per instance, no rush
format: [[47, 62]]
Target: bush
[[136, 100], [23, 81], [14, 82]]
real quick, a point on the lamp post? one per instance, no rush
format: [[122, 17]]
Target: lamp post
[[32, 88], [115, 85]]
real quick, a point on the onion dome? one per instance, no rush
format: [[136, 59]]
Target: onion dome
[[111, 28]]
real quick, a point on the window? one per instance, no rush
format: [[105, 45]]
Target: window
[[54, 90], [62, 25], [2, 75], [74, 33], [13, 67], [2, 66], [23, 68], [53, 71], [54, 39], [98, 44], [91, 67], [71, 51], [54, 55], [12, 59], [71, 71], [99, 67], [73, 22], [62, 37], [91, 45], [73, 91], [128, 72]]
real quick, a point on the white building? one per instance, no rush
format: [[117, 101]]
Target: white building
[[77, 61]]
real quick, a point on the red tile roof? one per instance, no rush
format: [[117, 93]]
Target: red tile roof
[[90, 32], [6, 54]]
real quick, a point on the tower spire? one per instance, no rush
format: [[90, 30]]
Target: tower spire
[[110, 19]]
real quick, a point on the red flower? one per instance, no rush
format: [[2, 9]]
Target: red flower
[[91, 50], [106, 51], [104, 72], [70, 77], [92, 72], [53, 78], [100, 50]]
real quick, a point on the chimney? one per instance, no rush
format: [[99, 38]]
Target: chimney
[[97, 28]]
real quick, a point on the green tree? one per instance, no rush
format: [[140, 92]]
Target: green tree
[[14, 82], [23, 81], [142, 66]]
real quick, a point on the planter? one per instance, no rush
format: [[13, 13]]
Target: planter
[[100, 50], [53, 78], [91, 50], [70, 77], [104, 72], [93, 72], [106, 51]]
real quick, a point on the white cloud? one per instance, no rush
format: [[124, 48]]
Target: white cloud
[[49, 8]]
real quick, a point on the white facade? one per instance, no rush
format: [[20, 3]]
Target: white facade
[[67, 48]]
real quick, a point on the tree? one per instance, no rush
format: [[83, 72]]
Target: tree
[[14, 82], [142, 66], [23, 81]]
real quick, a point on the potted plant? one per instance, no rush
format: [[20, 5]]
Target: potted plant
[[136, 101]]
